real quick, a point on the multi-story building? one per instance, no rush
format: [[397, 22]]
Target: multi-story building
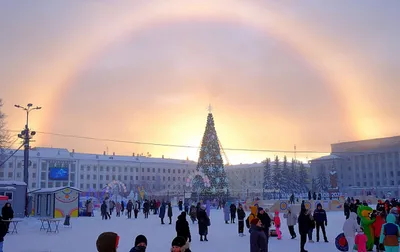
[[50, 167], [368, 166]]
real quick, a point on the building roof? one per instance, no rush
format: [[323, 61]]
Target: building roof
[[328, 157], [55, 189], [10, 188], [12, 182], [366, 145], [61, 153]]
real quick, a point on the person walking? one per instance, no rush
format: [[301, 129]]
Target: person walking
[[377, 227], [118, 209], [104, 212], [226, 213], [7, 213], [193, 213], [162, 212], [361, 241], [390, 234], [277, 223], [320, 221], [258, 240], [180, 205], [182, 227], [3, 232], [266, 223], [241, 215], [233, 212], [146, 209], [291, 221], [186, 204], [170, 213], [312, 226], [122, 207], [129, 208], [304, 225], [350, 228], [136, 211], [204, 223]]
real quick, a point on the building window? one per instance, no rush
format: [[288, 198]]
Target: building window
[[126, 169], [159, 170], [10, 165], [169, 170], [19, 165], [107, 177], [179, 178], [113, 169], [101, 186], [10, 174], [131, 178], [163, 178], [113, 177], [125, 178], [88, 177], [33, 185], [137, 177], [154, 169], [169, 178], [137, 169], [42, 184], [82, 177], [154, 186], [183, 171], [88, 168], [82, 168], [58, 184], [33, 174], [81, 186], [101, 177], [131, 169], [94, 186], [1, 174], [34, 165], [154, 178], [72, 176], [101, 168], [148, 169], [72, 167], [179, 171], [9, 195], [95, 176], [107, 169], [163, 171]]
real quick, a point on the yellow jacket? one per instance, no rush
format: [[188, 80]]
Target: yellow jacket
[[254, 210]]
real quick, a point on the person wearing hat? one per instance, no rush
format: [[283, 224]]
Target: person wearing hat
[[265, 220], [140, 244], [107, 242], [258, 239], [204, 223], [182, 227], [180, 244]]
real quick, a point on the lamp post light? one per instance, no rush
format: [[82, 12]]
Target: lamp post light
[[26, 135]]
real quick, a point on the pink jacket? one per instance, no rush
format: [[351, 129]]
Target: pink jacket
[[361, 241]]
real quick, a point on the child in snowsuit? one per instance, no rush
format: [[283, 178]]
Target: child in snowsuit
[[390, 234], [361, 241], [277, 223]]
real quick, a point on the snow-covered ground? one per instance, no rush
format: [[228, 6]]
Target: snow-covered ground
[[222, 237]]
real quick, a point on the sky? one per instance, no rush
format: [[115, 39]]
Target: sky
[[277, 74]]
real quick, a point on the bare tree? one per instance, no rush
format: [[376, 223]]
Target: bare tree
[[4, 136]]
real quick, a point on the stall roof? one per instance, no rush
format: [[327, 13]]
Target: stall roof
[[11, 182], [9, 188], [54, 189]]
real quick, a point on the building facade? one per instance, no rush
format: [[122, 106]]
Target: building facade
[[51, 167], [364, 167]]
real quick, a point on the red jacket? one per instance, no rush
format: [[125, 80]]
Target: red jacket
[[377, 225], [361, 241], [277, 220]]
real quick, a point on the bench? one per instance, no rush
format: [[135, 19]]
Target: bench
[[14, 225]]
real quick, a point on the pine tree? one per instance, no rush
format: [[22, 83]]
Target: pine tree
[[267, 174], [322, 180], [285, 176], [277, 177], [294, 177], [303, 178], [210, 161]]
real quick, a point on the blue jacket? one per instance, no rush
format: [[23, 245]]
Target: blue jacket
[[320, 215], [162, 210], [390, 232]]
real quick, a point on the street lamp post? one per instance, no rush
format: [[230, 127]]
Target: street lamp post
[[26, 135]]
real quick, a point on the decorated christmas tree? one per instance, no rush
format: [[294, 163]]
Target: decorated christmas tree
[[210, 161]]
